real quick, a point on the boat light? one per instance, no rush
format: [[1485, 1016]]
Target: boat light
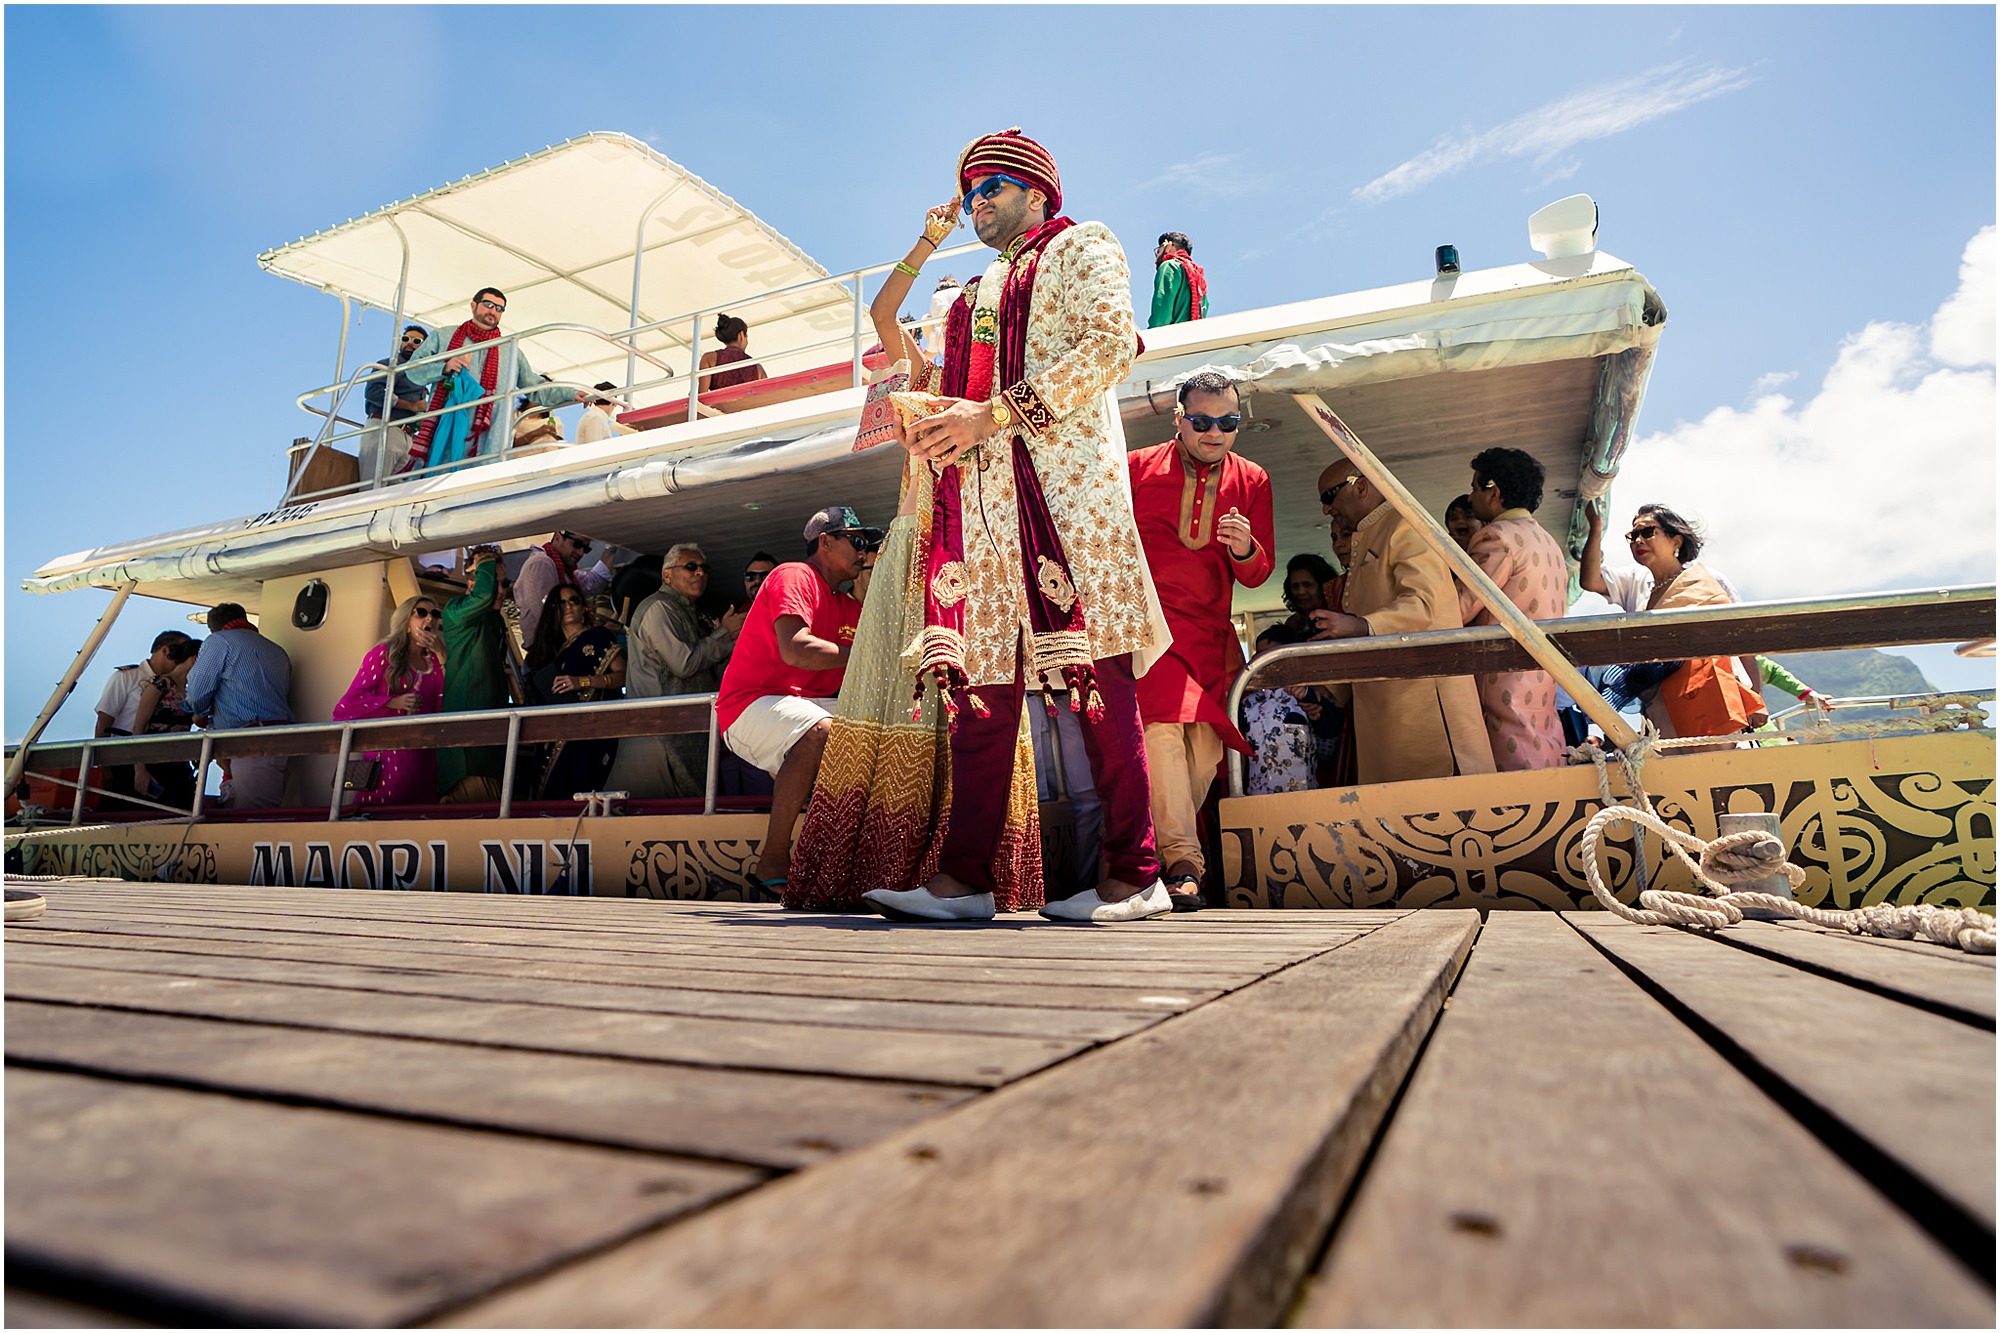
[[1566, 227], [1447, 260]]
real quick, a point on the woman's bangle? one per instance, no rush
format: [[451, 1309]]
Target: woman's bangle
[[901, 267]]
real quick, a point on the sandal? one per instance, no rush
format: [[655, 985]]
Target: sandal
[[1185, 893]]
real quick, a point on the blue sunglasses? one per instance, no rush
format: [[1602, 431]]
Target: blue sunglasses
[[990, 188]]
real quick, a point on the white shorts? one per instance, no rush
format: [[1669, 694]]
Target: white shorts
[[765, 732]]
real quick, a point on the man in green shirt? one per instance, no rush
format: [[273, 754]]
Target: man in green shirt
[[1180, 288], [475, 677]]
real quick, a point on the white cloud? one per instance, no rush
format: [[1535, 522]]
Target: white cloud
[[1884, 478], [1962, 331], [1546, 132], [1214, 172]]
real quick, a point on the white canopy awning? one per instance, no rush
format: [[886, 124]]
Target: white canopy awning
[[557, 231]]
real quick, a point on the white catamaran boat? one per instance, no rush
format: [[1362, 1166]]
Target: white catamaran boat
[[1550, 356]]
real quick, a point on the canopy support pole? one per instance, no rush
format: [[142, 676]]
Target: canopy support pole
[[638, 259], [19, 763], [1525, 631]]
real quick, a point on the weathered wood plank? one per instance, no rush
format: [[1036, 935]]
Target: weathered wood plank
[[1149, 976], [263, 1214], [904, 1015], [1939, 978], [487, 961], [1922, 948], [1916, 1086], [1569, 1155], [1176, 1178], [859, 1052], [640, 920], [780, 1121]]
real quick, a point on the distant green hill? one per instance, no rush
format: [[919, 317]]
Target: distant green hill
[[1849, 673]]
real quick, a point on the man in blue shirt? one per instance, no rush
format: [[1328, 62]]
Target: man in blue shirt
[[384, 449], [242, 679]]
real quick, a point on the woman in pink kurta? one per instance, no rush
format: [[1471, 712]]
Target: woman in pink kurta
[[1527, 565], [401, 676]]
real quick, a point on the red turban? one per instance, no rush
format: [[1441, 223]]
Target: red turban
[[1015, 154]]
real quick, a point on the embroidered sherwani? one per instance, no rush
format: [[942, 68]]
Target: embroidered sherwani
[[1528, 566], [1080, 343], [1181, 697], [1426, 728]]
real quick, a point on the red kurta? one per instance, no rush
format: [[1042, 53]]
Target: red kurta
[[1177, 503]]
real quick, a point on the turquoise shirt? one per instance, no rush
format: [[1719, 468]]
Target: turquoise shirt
[[526, 380]]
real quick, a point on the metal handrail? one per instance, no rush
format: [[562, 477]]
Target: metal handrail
[[105, 750], [1947, 605], [855, 339]]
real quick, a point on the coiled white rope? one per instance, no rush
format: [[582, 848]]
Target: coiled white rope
[[1746, 857]]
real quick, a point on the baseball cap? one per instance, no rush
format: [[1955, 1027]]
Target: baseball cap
[[838, 519]]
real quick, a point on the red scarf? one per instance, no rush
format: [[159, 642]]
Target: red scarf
[[482, 416], [238, 623], [563, 574], [1197, 281], [1058, 642]]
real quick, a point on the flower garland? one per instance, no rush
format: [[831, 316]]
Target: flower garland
[[986, 328]]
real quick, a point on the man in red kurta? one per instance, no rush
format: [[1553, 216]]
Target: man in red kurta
[[1205, 523]]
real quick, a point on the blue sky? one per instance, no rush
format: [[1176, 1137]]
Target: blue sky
[[1801, 184]]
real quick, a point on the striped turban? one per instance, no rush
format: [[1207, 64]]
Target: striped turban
[[1015, 154]]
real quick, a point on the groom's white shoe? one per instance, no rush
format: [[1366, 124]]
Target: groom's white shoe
[[1088, 907], [920, 904]]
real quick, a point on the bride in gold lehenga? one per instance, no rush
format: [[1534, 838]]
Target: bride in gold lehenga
[[883, 796]]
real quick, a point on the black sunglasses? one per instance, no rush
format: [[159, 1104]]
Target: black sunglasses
[[1227, 425], [693, 565], [422, 613], [1641, 534], [569, 601], [1326, 496]]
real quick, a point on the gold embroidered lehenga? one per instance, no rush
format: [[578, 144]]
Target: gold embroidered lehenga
[[882, 800]]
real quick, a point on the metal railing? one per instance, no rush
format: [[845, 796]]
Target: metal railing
[[854, 341], [1942, 615], [518, 726]]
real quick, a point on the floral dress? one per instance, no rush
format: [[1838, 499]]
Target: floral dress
[[1283, 748], [407, 776]]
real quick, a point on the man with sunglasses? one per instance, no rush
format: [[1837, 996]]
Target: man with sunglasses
[[672, 649], [1396, 584], [554, 562], [1204, 517], [472, 374], [384, 449], [1034, 573], [1180, 288], [774, 706]]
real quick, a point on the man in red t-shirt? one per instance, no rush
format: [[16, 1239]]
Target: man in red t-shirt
[[775, 704]]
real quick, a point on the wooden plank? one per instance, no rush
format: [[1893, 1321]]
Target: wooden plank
[[1917, 1087], [259, 1214], [858, 1052], [1939, 979], [1177, 1178], [1808, 625], [1569, 1155], [1921, 947], [949, 945], [804, 1011], [1149, 976], [487, 962], [779, 1121]]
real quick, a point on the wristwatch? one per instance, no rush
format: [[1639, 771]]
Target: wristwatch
[[1003, 416]]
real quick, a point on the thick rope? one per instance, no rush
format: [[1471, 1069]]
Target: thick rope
[[1751, 855]]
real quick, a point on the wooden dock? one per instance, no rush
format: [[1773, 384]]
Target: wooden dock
[[232, 1106]]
